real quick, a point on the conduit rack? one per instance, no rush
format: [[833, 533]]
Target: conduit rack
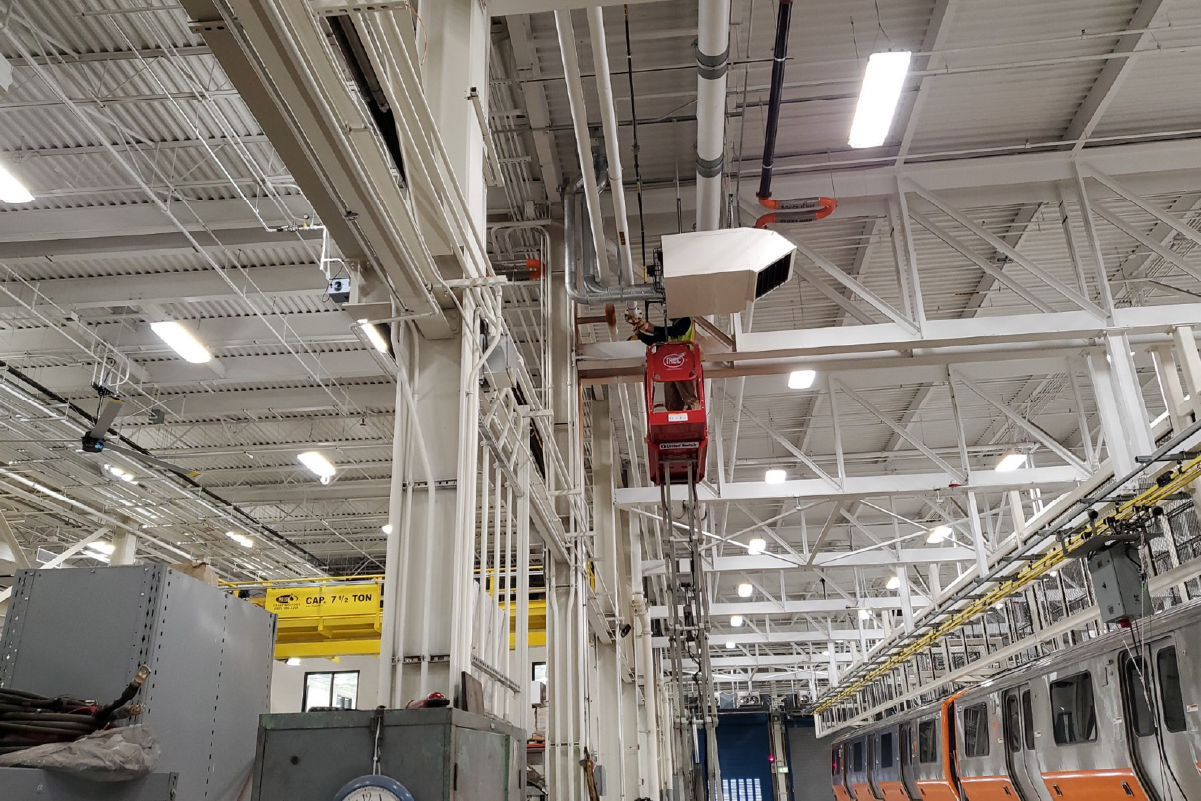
[[1167, 484]]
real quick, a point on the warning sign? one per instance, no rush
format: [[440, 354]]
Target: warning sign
[[350, 599]]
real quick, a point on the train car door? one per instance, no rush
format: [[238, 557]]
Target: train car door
[[1020, 754], [908, 777], [1158, 697]]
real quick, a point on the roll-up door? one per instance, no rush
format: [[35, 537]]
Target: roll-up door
[[808, 761]]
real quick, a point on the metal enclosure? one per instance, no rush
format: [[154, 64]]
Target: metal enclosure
[[1117, 579], [438, 754], [86, 631]]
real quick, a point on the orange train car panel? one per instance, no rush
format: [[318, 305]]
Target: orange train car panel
[[987, 788], [937, 791], [1095, 785], [862, 792], [893, 791], [841, 794]]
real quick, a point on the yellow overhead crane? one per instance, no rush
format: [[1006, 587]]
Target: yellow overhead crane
[[343, 616]]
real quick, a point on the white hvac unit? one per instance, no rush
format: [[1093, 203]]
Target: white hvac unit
[[720, 272]]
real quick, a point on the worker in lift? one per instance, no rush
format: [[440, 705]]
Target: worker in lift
[[678, 396]]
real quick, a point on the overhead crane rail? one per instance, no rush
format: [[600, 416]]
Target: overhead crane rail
[[1068, 540]]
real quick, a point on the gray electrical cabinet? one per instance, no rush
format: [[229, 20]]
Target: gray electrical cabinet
[[84, 632], [1118, 581], [437, 754]]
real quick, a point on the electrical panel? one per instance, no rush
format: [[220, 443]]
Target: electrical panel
[[1117, 576]]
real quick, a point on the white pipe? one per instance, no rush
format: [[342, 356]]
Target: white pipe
[[646, 658], [579, 120], [608, 110], [712, 60]]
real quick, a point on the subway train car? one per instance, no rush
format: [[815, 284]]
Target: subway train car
[[1113, 719]]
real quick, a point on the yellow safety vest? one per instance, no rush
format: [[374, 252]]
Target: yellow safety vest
[[689, 335]]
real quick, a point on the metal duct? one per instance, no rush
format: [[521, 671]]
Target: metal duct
[[712, 61], [593, 292]]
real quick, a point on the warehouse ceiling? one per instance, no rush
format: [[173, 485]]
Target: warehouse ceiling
[[159, 196]]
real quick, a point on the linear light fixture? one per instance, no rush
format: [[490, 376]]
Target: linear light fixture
[[864, 614], [938, 534], [240, 538], [11, 189], [745, 590], [775, 476], [882, 84], [318, 464], [121, 473], [374, 336], [182, 341], [103, 546], [386, 528], [801, 379], [1011, 462], [894, 582], [292, 661], [730, 646], [756, 546], [736, 621]]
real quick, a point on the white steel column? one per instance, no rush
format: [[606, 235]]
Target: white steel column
[[1120, 402], [457, 40], [124, 546]]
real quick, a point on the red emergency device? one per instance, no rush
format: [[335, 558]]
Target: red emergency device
[[675, 440]]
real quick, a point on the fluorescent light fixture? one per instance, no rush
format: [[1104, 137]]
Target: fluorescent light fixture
[[374, 336], [801, 379], [745, 590], [12, 190], [882, 84], [938, 534], [1052, 573], [1010, 462], [182, 341], [736, 621], [730, 646], [894, 583], [317, 464], [864, 614], [118, 472], [240, 538], [386, 528], [756, 546], [292, 661], [999, 606], [775, 476], [102, 546]]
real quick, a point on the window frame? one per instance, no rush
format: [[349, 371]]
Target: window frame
[[1081, 685], [976, 747], [1028, 719], [304, 698], [890, 750], [1179, 720], [858, 754], [928, 725], [1138, 712]]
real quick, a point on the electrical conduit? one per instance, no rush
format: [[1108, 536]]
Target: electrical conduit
[[712, 61]]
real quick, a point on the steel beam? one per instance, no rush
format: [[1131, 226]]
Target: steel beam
[[806, 607], [824, 560]]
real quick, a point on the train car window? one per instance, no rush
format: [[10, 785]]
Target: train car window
[[1013, 724], [1134, 676], [1072, 710], [1028, 720], [1169, 689], [857, 757], [886, 757], [927, 741], [975, 730]]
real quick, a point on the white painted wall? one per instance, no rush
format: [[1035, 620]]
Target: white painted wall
[[287, 681]]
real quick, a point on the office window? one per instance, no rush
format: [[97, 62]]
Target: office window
[[886, 756], [1169, 689], [338, 689], [927, 741], [857, 756], [741, 789], [975, 730], [1134, 675], [1072, 710]]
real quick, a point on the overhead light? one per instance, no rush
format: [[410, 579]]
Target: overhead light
[[240, 538], [1052, 573], [730, 646], [736, 621], [882, 84], [292, 661], [121, 473], [894, 582], [775, 476], [102, 546], [182, 341], [318, 464], [864, 614], [374, 336], [745, 590], [938, 534], [386, 528], [12, 190], [1010, 462], [999, 605], [801, 379], [756, 546]]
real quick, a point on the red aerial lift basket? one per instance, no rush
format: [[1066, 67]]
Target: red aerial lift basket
[[675, 439]]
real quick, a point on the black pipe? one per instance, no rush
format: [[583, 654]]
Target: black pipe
[[774, 99]]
